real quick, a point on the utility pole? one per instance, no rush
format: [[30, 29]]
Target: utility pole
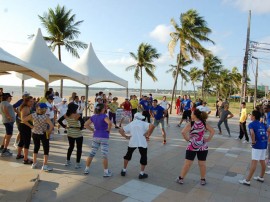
[[245, 64], [256, 81]]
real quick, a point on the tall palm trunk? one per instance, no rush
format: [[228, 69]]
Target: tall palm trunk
[[175, 81], [194, 90], [203, 81], [61, 81], [141, 83], [182, 83]]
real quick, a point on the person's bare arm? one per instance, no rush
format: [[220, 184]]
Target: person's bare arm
[[25, 113], [87, 125], [27, 118], [185, 131], [211, 131], [122, 132], [230, 116], [252, 135], [107, 120]]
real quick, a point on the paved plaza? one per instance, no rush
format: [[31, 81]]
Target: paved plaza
[[228, 161]]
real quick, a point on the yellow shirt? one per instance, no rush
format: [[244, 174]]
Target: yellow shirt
[[243, 116], [43, 100], [113, 106], [134, 103]]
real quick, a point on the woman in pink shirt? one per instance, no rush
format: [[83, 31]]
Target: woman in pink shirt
[[197, 144]]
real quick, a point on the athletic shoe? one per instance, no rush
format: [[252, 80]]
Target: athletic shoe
[[164, 142], [78, 166], [258, 178], [268, 172], [47, 168], [34, 165], [179, 180], [27, 161], [86, 171], [6, 153], [143, 176], [203, 182], [68, 163], [237, 138], [108, 174], [123, 173], [19, 157], [245, 182], [245, 141], [116, 127]]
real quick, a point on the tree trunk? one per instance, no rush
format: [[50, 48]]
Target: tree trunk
[[203, 87], [141, 83], [175, 82], [61, 81], [182, 83], [194, 90]]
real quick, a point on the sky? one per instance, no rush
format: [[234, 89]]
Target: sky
[[116, 28]]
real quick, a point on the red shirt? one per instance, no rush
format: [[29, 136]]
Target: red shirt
[[127, 106]]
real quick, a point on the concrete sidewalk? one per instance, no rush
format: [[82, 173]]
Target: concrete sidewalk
[[228, 161]]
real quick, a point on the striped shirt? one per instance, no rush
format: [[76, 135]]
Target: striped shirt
[[74, 126]]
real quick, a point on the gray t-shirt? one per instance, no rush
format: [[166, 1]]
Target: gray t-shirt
[[224, 114], [10, 110]]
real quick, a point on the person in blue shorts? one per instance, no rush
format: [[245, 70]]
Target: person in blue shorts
[[258, 132]]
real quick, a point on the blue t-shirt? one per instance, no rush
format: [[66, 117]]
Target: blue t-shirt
[[260, 134], [145, 105], [157, 111], [268, 119], [187, 104]]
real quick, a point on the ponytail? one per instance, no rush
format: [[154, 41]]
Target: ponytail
[[202, 116]]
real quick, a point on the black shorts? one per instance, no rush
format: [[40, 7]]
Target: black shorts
[[9, 128], [186, 114], [201, 155]]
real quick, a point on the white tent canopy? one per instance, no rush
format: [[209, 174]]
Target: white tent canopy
[[39, 54], [9, 62], [90, 65]]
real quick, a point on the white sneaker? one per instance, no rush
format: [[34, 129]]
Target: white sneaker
[[237, 138], [245, 182], [47, 168], [78, 166], [15, 145], [268, 172], [108, 174], [86, 171], [245, 142], [68, 163], [34, 165], [258, 178]]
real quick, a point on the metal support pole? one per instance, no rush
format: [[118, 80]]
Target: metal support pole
[[86, 99], [22, 86]]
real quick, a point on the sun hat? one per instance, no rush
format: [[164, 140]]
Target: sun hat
[[25, 93], [139, 116], [7, 95], [42, 106], [64, 99], [99, 97]]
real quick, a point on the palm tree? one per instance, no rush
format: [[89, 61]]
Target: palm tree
[[192, 31], [182, 72], [210, 73], [62, 31], [144, 59], [195, 76]]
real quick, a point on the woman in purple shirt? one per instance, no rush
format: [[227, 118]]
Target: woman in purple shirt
[[102, 127]]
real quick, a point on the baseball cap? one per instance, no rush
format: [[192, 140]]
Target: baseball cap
[[51, 97], [99, 97], [25, 93], [42, 106], [64, 99], [7, 95], [138, 116]]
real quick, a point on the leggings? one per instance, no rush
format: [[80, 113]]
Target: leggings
[[226, 126], [147, 116], [112, 116], [143, 152], [243, 131], [25, 139], [45, 143], [79, 143], [133, 111], [100, 142]]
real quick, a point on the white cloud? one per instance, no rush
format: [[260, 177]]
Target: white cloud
[[256, 6], [123, 61], [216, 49], [161, 33]]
